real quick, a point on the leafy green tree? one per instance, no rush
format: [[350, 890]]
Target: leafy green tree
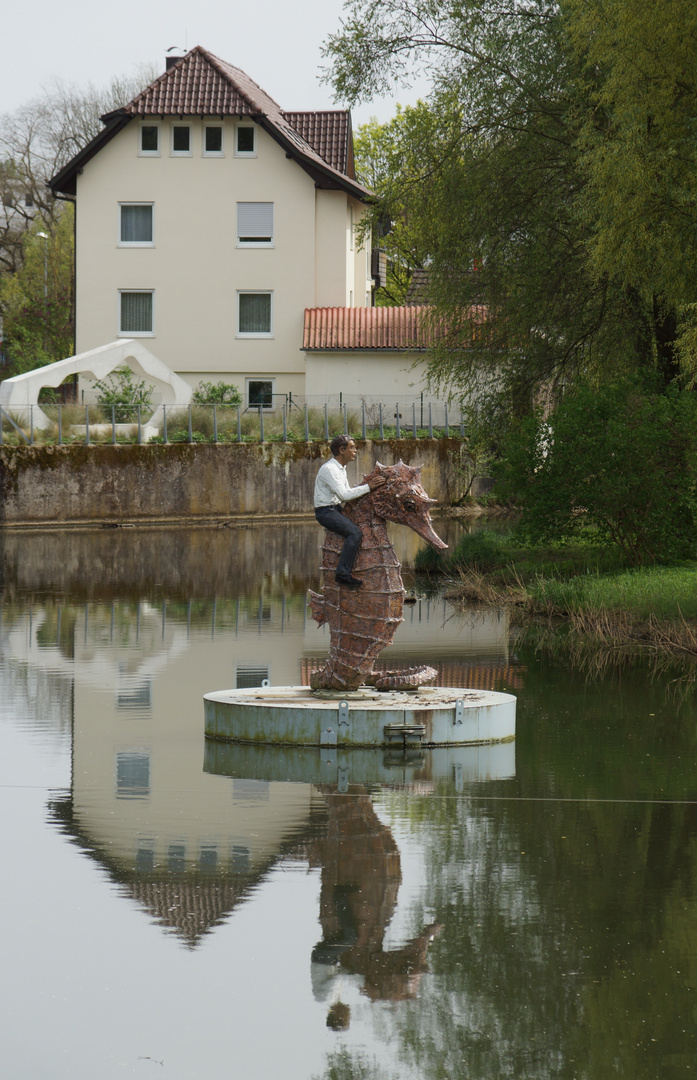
[[638, 152], [37, 301], [535, 290], [618, 458], [40, 137], [389, 161]]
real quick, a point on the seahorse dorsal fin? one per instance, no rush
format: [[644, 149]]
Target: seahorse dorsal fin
[[317, 607]]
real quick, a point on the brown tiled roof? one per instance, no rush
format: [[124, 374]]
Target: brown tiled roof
[[417, 293], [329, 133], [397, 328], [366, 328], [201, 84]]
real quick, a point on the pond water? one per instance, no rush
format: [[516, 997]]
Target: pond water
[[173, 911]]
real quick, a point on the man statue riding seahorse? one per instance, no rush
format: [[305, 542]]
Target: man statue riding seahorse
[[364, 611]]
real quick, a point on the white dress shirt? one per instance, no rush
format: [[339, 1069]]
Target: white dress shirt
[[332, 486]]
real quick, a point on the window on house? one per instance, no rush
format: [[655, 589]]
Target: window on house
[[248, 675], [213, 139], [132, 774], [240, 859], [149, 139], [145, 858], [28, 202], [245, 141], [209, 858], [181, 139], [136, 224], [176, 859], [136, 312], [254, 314], [260, 395], [254, 224]]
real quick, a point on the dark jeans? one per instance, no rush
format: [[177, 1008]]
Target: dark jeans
[[331, 518]]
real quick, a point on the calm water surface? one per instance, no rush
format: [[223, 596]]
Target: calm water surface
[[177, 910]]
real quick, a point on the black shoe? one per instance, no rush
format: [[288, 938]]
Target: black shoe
[[348, 582]]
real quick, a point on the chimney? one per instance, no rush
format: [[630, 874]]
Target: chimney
[[170, 61]]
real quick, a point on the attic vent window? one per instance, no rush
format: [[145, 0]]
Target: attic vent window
[[181, 140], [213, 140], [245, 141], [149, 139]]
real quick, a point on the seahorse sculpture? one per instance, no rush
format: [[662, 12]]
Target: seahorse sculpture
[[363, 621]]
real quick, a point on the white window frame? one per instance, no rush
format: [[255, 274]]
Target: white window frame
[[134, 333], [266, 408], [181, 153], [261, 333], [149, 153], [213, 153], [267, 212], [246, 153], [136, 243]]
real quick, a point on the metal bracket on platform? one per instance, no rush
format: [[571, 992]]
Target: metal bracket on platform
[[327, 737], [404, 734], [459, 711], [342, 778], [343, 713]]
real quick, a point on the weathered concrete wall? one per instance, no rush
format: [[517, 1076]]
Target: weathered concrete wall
[[66, 485]]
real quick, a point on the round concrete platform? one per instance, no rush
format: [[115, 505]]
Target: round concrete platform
[[338, 767], [298, 716]]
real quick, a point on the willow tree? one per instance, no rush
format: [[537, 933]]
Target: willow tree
[[510, 221]]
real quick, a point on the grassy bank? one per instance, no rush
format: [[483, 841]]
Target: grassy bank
[[584, 588]]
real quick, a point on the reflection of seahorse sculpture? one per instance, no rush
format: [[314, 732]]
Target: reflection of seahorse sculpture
[[364, 621]]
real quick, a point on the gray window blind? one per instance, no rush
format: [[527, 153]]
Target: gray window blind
[[254, 222]]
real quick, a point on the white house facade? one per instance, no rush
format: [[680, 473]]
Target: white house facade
[[208, 220]]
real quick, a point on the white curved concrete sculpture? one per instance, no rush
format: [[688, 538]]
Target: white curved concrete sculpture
[[20, 393]]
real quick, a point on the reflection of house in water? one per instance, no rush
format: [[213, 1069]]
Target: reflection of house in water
[[186, 844]]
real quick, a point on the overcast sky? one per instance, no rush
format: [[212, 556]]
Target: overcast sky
[[277, 42]]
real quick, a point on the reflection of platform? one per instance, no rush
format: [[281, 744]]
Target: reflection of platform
[[295, 716], [334, 768]]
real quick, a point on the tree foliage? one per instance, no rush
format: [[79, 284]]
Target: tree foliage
[[389, 161], [37, 140], [619, 458], [563, 197], [36, 302]]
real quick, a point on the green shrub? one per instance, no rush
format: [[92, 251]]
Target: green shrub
[[429, 561], [207, 393], [482, 550], [123, 391]]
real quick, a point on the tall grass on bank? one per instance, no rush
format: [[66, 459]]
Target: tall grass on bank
[[585, 588], [666, 592]]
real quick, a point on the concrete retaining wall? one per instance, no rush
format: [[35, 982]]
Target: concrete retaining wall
[[82, 485]]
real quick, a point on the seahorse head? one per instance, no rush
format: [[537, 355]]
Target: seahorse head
[[402, 499]]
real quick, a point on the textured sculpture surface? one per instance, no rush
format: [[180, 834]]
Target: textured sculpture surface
[[363, 621]]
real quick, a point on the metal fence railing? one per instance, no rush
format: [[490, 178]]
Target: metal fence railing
[[291, 420]]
